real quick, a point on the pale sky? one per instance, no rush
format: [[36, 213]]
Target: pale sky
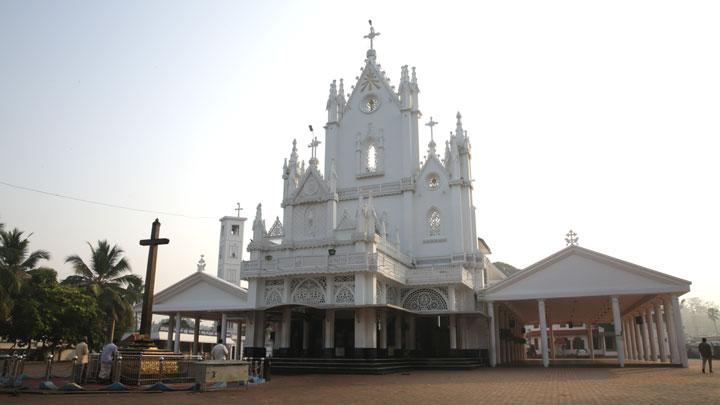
[[602, 117]]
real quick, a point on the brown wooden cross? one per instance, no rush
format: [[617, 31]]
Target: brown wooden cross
[[153, 242]]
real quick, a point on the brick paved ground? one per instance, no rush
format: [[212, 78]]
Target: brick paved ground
[[504, 385]]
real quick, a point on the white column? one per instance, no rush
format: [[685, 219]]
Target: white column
[[452, 323], [223, 328], [196, 336], [639, 338], [329, 341], [171, 328], [671, 331], [619, 333], [178, 320], [646, 336], [491, 327], [653, 336], [682, 352], [543, 333], [633, 337], [660, 327]]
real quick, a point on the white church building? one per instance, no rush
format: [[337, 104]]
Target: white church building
[[377, 256]]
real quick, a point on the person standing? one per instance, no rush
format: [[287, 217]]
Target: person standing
[[82, 352], [219, 351], [107, 356], [705, 353]]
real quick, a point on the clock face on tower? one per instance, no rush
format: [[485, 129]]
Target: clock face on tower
[[370, 104]]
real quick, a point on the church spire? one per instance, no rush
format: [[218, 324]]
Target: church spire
[[332, 103], [459, 128]]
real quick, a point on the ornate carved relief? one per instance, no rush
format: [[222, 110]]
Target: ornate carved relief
[[309, 221], [274, 291], [425, 299], [344, 289], [309, 292]]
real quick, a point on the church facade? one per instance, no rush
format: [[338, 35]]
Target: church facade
[[377, 256], [376, 249]]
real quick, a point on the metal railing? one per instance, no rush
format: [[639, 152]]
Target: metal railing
[[128, 369]]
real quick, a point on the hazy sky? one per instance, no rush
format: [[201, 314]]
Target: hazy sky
[[602, 117]]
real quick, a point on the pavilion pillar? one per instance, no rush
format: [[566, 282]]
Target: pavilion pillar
[[591, 347], [671, 331], [196, 336], [171, 328], [223, 328], [501, 341], [633, 341], [639, 338], [680, 333], [552, 341], [543, 333], [646, 336], [491, 328], [660, 327], [651, 334], [452, 322], [619, 334], [329, 340], [498, 359], [178, 321]]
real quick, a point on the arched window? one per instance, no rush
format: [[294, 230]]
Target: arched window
[[434, 222], [371, 158]]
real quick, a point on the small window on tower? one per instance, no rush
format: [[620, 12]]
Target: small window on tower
[[235, 230]]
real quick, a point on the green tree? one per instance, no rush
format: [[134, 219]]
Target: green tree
[[110, 280], [15, 262], [53, 314]]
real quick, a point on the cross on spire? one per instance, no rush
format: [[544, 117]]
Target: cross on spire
[[372, 34], [431, 124], [313, 146], [571, 238], [238, 209]]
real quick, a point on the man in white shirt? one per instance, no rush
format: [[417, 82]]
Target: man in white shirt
[[106, 358], [81, 351], [219, 351]]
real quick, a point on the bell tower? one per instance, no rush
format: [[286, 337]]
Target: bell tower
[[231, 244]]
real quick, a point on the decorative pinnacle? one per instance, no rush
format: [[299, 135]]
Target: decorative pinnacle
[[459, 128], [571, 238], [201, 264]]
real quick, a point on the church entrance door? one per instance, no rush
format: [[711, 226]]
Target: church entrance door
[[344, 333], [432, 336]]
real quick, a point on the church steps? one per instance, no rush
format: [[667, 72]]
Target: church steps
[[369, 366]]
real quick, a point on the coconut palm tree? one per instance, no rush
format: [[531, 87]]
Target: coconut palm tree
[[109, 278], [15, 262], [714, 314]]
